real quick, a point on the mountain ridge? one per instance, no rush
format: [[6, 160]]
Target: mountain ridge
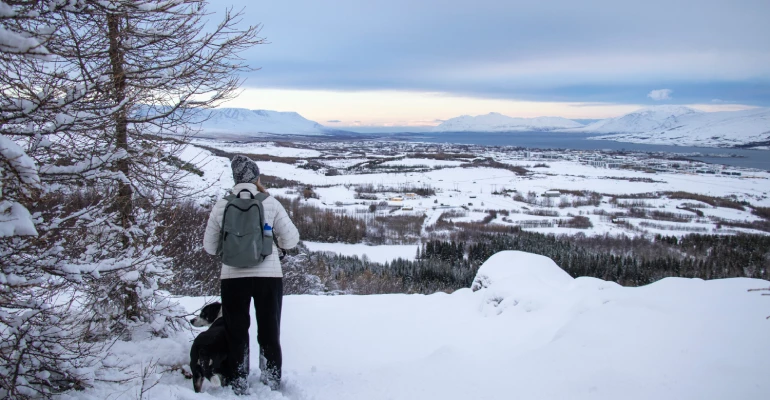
[[642, 120], [496, 122], [244, 121], [709, 129]]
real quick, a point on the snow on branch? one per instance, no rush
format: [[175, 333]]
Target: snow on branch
[[12, 42], [96, 163], [20, 163], [15, 220]]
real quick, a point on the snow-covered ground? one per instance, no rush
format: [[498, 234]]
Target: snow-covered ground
[[422, 162], [528, 331], [217, 174], [380, 254], [260, 148]]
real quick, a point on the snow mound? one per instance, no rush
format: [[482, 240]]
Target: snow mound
[[515, 269], [515, 278]]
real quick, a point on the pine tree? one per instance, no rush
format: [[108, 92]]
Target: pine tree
[[100, 95], [152, 69]]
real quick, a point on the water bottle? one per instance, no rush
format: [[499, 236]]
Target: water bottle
[[267, 240]]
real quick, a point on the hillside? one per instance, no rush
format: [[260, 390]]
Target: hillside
[[675, 125], [644, 120]]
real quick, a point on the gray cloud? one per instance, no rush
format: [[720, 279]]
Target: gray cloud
[[512, 49], [333, 121]]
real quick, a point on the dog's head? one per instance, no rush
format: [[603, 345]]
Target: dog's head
[[208, 315]]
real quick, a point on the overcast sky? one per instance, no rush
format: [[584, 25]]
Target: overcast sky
[[415, 62]]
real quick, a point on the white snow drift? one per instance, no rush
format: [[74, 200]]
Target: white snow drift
[[526, 330]]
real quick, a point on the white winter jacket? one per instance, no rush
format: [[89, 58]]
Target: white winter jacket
[[275, 215]]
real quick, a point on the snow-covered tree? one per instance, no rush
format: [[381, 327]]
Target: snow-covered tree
[[40, 347], [96, 101], [152, 68]]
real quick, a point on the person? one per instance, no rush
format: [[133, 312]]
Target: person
[[263, 283]]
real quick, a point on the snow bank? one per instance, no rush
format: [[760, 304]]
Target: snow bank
[[549, 337]]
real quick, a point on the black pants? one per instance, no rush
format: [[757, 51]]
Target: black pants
[[268, 297]]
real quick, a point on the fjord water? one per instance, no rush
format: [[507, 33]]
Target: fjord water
[[746, 158]]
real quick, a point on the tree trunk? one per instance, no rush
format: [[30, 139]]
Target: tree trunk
[[123, 202], [124, 199]]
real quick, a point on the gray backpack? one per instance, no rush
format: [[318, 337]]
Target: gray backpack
[[243, 241]]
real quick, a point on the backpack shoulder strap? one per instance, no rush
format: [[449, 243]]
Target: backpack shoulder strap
[[261, 196], [229, 198]]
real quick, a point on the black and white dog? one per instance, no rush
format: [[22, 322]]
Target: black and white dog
[[209, 349]]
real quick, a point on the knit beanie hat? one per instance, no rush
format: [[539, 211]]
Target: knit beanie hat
[[244, 170]]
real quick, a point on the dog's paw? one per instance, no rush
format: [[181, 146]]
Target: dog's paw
[[198, 384], [216, 380], [197, 377]]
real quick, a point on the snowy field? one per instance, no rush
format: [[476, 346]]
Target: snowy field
[[260, 148], [380, 254], [459, 185], [528, 331]]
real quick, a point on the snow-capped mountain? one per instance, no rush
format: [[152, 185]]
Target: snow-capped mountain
[[644, 120], [496, 122], [684, 126], [241, 121]]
